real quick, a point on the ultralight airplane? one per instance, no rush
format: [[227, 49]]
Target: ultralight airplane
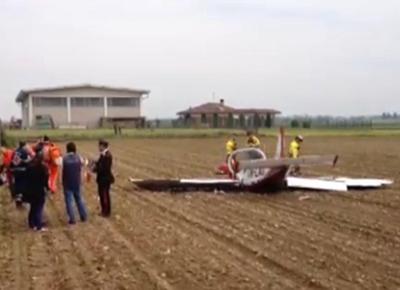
[[250, 170]]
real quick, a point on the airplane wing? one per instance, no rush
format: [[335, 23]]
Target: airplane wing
[[335, 184], [364, 182], [186, 184], [304, 160], [315, 184]]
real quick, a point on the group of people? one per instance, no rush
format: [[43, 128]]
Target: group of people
[[31, 172], [254, 142]]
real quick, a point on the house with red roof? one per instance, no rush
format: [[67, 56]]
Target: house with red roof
[[219, 115]]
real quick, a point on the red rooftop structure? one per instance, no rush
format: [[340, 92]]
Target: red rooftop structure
[[219, 115]]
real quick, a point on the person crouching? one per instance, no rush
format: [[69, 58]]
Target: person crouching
[[38, 177]]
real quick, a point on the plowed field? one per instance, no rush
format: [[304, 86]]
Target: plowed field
[[215, 240]]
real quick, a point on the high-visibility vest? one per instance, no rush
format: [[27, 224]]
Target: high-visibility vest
[[7, 157], [253, 141], [231, 146], [294, 149]]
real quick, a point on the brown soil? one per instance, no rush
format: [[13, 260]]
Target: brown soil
[[215, 241]]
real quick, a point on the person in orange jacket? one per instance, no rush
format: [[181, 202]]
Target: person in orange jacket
[[51, 154], [7, 156]]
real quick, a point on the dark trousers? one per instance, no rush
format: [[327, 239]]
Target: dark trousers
[[18, 193], [35, 217], [105, 200]]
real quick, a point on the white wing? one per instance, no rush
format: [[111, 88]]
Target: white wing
[[364, 182], [315, 184], [335, 184]]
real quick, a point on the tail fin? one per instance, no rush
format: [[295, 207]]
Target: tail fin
[[280, 145]]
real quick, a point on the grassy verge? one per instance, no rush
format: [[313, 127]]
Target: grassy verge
[[353, 132], [66, 134]]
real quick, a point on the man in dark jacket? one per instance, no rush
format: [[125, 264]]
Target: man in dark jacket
[[104, 177], [71, 177], [19, 165], [37, 180]]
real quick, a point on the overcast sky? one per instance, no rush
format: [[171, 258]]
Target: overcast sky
[[336, 57]]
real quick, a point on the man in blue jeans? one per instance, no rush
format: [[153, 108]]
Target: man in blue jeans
[[71, 177]]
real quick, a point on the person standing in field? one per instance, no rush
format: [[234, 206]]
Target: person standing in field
[[37, 178], [294, 151], [71, 178], [18, 167], [295, 146], [231, 146], [52, 156], [104, 179], [7, 156]]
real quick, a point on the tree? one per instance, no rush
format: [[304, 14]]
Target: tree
[[294, 123], [306, 124]]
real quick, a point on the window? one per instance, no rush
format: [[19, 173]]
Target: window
[[49, 102], [123, 102], [87, 102], [203, 118]]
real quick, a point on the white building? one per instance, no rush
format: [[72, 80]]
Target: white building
[[81, 105]]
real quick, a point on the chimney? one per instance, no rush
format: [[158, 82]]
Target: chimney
[[222, 102]]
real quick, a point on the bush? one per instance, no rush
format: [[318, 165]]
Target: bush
[[306, 124], [294, 124]]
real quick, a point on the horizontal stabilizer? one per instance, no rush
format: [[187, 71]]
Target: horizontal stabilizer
[[315, 184], [304, 160]]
